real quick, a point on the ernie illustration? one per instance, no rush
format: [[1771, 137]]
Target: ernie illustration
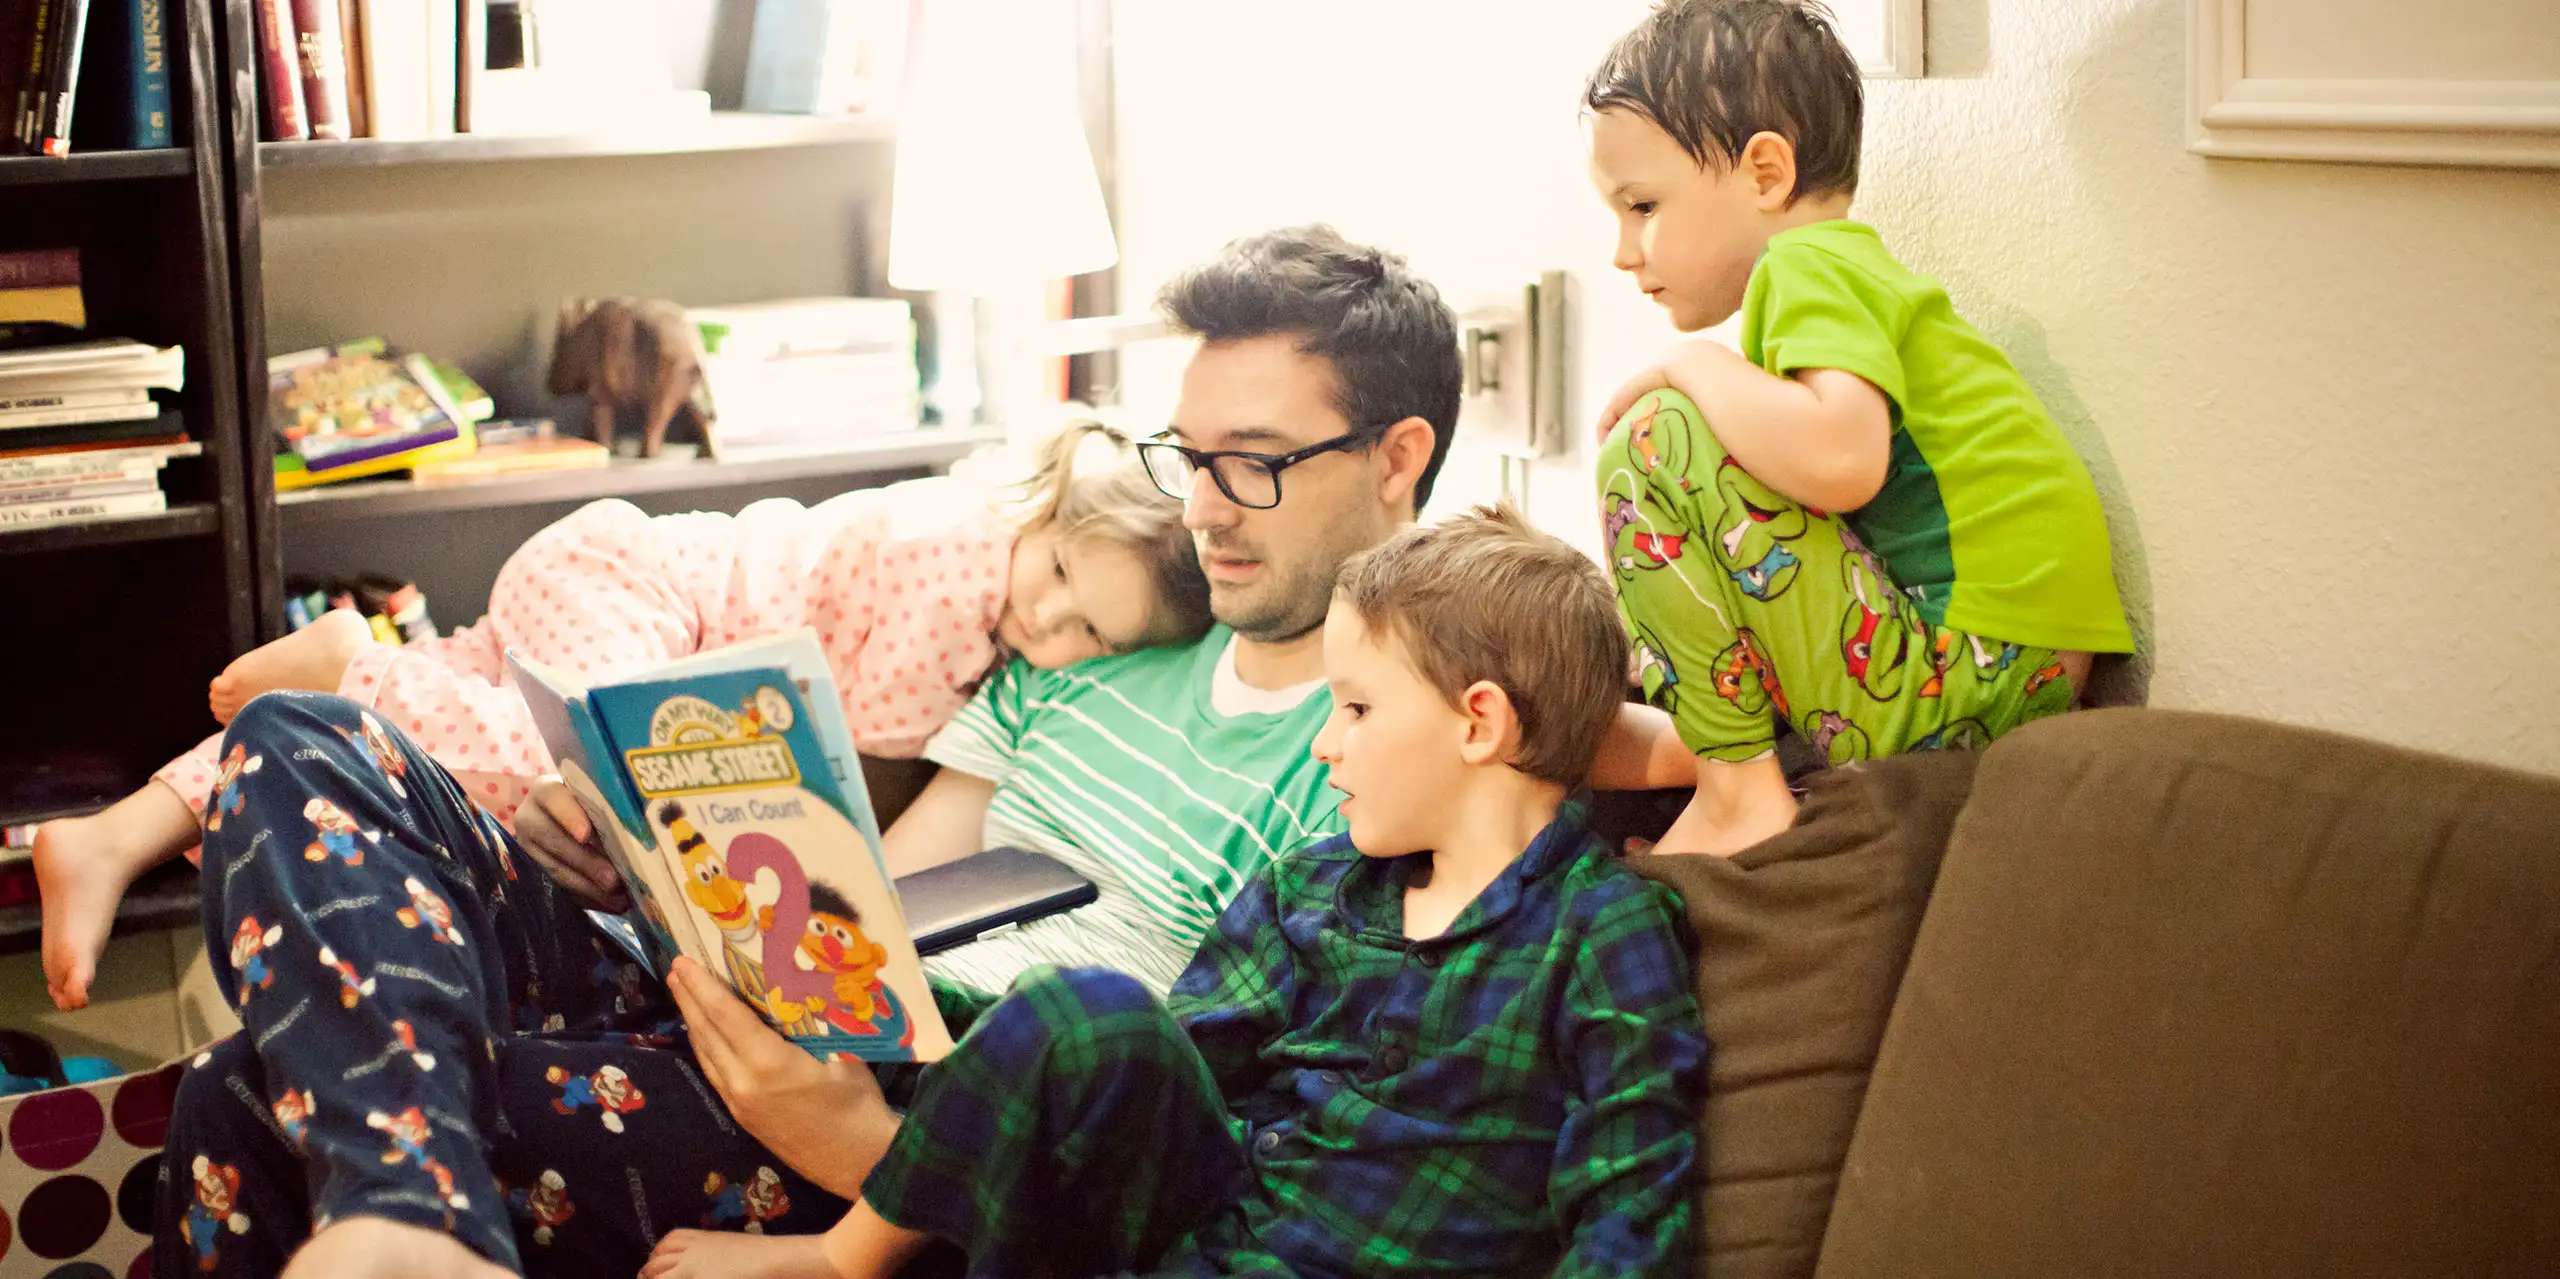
[[216, 1209], [333, 834], [759, 1200], [609, 1090], [834, 944]]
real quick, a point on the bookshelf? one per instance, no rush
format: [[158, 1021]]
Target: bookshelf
[[118, 623]]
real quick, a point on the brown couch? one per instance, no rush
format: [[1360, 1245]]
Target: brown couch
[[2138, 993]]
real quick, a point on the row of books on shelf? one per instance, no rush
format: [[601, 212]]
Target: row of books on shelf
[[86, 74], [413, 69], [81, 434]]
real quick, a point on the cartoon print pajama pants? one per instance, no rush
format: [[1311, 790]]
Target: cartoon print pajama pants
[[433, 1034], [1074, 1130], [1747, 609]]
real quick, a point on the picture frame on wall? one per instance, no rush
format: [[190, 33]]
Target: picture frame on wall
[[2436, 82]]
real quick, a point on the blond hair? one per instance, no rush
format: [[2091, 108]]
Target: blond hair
[[1087, 484], [1483, 596]]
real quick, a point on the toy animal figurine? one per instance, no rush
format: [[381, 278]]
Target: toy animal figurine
[[617, 351]]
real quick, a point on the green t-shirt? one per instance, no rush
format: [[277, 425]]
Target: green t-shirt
[[1987, 517], [1121, 768]]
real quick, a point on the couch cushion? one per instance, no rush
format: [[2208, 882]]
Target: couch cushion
[[2198, 996], [1802, 942]]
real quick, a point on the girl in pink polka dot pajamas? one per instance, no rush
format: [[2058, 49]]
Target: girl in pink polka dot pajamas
[[916, 591]]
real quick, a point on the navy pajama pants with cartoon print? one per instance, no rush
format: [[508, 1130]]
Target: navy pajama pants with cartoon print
[[433, 1033]]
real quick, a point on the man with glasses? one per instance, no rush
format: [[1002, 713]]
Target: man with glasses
[[1311, 423]]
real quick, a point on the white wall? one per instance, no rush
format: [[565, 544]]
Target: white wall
[[2322, 402]]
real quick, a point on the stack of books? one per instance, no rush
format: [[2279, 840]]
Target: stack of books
[[807, 375], [80, 435], [359, 409], [85, 74]]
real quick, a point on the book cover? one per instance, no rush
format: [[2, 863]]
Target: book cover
[[359, 89], [730, 781], [38, 464], [124, 78], [353, 403], [71, 400], [19, 419], [394, 39], [165, 422], [77, 468], [42, 285], [17, 515], [320, 56], [11, 495], [149, 43], [52, 127], [279, 73]]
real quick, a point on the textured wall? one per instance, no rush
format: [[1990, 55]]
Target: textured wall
[[2322, 402]]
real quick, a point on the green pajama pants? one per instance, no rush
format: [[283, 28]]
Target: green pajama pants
[[1747, 609]]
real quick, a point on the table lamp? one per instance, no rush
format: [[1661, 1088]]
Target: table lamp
[[995, 193]]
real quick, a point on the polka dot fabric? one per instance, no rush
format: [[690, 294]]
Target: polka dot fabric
[[79, 1175], [903, 584]]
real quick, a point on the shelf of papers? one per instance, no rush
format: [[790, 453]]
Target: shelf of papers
[[720, 131], [922, 449]]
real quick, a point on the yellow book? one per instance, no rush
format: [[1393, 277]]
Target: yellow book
[[61, 305], [290, 474]]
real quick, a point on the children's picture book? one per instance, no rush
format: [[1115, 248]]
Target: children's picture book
[[726, 790], [338, 406]]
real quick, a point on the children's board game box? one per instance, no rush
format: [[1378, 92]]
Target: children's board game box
[[727, 792], [78, 1180]]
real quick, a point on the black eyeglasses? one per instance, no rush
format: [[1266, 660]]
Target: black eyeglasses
[[1250, 480]]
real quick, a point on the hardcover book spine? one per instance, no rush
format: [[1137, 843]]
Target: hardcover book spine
[[40, 269], [359, 93], [320, 54], [151, 74], [278, 76], [53, 124], [30, 103]]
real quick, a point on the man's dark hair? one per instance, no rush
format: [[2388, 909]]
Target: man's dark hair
[[1392, 342], [1711, 73]]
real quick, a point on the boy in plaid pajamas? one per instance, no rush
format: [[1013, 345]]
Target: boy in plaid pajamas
[[1460, 1038]]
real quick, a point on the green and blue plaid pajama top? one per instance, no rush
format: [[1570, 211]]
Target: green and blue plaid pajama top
[[1324, 1096]]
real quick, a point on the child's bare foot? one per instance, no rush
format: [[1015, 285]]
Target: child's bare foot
[[84, 865], [313, 659], [711, 1254], [379, 1248]]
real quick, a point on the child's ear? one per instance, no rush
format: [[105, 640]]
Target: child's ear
[[1769, 161], [1493, 724]]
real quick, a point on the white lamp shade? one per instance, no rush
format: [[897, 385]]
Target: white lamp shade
[[995, 183]]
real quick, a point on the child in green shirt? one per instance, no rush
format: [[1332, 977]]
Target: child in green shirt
[[1864, 523]]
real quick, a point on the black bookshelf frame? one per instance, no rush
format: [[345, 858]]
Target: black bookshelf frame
[[138, 610]]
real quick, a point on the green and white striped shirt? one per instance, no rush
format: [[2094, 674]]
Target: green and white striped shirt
[[1122, 768]]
